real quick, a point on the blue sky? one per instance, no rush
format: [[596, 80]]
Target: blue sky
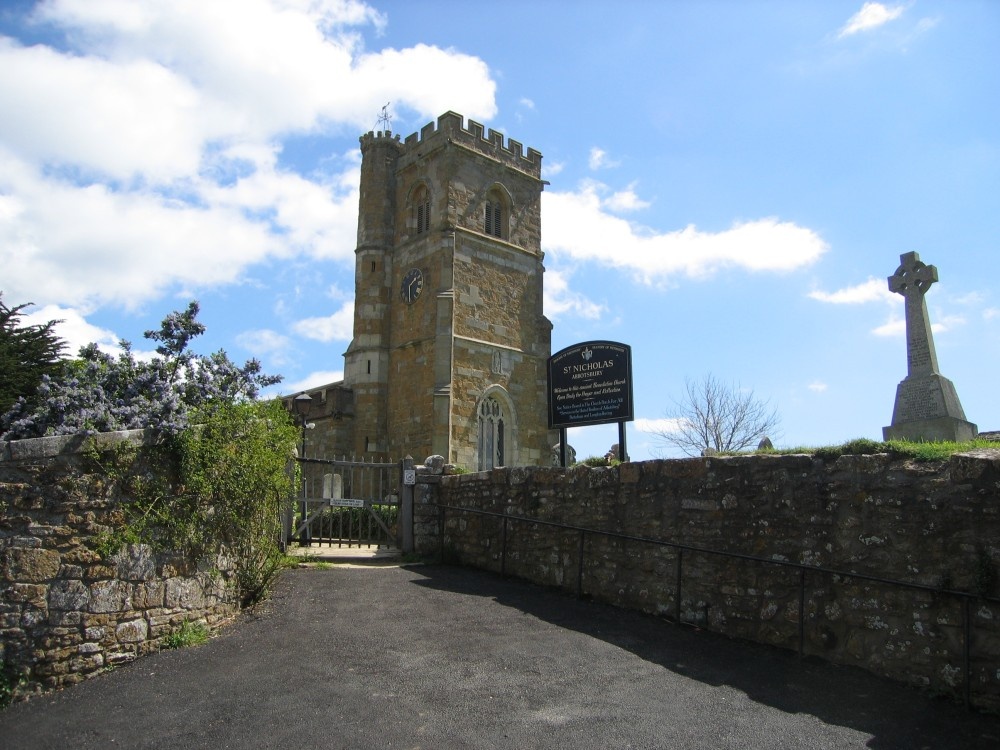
[[731, 182]]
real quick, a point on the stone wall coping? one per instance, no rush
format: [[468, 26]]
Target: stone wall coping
[[790, 460], [35, 449]]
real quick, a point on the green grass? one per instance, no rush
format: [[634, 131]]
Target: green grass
[[917, 451], [8, 684], [189, 634]]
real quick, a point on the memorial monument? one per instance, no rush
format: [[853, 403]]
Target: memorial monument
[[927, 405]]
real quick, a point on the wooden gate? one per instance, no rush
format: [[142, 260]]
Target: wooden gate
[[345, 504]]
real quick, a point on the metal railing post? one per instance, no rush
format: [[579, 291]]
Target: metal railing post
[[440, 533], [579, 570], [802, 610], [677, 595], [406, 507], [966, 649], [503, 548]]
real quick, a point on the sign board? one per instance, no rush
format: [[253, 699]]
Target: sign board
[[409, 476], [347, 502], [590, 383]]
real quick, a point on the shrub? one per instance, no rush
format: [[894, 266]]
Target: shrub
[[214, 488]]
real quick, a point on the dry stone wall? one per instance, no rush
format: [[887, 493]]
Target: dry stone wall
[[934, 525], [66, 612]]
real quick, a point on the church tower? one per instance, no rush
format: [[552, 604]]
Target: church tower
[[450, 343]]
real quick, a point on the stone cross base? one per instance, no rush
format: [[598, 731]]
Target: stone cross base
[[932, 430], [927, 408]]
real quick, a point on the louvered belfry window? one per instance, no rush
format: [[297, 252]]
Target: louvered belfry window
[[423, 204], [494, 217]]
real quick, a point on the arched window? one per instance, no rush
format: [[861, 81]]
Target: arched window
[[497, 213], [492, 434], [421, 203]]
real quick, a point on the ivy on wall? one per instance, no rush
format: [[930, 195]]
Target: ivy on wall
[[217, 487]]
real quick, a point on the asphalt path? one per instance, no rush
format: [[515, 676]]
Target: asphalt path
[[383, 656]]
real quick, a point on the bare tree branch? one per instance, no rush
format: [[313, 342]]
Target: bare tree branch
[[718, 417]]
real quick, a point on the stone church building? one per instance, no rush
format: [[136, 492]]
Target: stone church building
[[450, 345]]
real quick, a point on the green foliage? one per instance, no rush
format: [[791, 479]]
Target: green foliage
[[101, 393], [235, 471], [8, 682], [935, 451], [857, 447], [27, 353], [597, 462], [189, 634], [913, 450], [217, 486]]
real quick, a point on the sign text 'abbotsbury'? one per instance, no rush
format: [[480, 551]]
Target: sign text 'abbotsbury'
[[590, 383]]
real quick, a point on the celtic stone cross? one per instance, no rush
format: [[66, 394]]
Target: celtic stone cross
[[927, 405], [912, 279]]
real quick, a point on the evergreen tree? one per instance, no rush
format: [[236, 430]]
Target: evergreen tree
[[27, 353]]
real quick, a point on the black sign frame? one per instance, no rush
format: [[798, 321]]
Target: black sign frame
[[590, 383]]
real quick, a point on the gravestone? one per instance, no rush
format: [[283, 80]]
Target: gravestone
[[927, 405]]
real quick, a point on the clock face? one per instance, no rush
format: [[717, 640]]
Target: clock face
[[412, 285]]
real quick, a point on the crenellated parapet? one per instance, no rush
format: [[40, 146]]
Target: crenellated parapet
[[450, 127], [380, 138]]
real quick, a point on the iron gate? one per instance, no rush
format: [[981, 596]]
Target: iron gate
[[345, 504]]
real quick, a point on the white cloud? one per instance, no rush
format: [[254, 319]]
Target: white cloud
[[599, 159], [143, 156], [559, 300], [312, 380], [266, 343], [116, 119], [73, 329], [817, 386], [577, 225], [895, 326], [971, 298], [625, 201], [947, 323], [877, 290], [991, 312], [871, 16], [552, 168], [873, 290], [90, 246], [336, 327], [658, 426]]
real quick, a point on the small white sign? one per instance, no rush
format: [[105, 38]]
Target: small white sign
[[409, 476], [347, 502]]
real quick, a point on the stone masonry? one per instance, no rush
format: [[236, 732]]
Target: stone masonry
[[66, 613], [936, 525], [452, 217]]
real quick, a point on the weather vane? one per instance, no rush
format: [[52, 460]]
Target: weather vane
[[384, 121]]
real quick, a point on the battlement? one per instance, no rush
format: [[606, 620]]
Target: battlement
[[450, 126]]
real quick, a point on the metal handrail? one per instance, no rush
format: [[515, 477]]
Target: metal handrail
[[803, 568]]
